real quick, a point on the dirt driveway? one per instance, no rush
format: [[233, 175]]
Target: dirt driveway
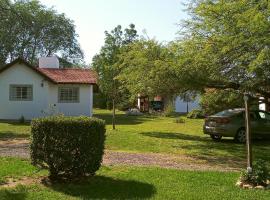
[[20, 148]]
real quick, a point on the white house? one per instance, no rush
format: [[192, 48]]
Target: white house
[[182, 106], [32, 92]]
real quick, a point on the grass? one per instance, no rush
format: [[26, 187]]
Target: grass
[[16, 168], [163, 135], [157, 134], [134, 183], [142, 134], [10, 130]]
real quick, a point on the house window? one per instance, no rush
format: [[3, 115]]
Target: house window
[[68, 95], [21, 93]]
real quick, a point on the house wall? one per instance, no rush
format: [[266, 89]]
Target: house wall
[[45, 96], [83, 107], [21, 74], [181, 106]]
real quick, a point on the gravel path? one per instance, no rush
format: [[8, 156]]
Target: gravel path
[[19, 148]]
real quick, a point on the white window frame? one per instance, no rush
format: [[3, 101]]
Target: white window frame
[[70, 98], [13, 92]]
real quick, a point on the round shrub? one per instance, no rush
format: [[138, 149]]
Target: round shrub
[[70, 147], [196, 114]]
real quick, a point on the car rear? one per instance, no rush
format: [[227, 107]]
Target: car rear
[[225, 123]]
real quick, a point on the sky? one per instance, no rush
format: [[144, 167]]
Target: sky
[[160, 19]]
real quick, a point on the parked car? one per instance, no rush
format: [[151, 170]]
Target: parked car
[[231, 123]]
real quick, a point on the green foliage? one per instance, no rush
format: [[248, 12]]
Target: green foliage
[[225, 44], [99, 100], [148, 68], [196, 114], [30, 30], [180, 120], [214, 101], [105, 63], [70, 147], [259, 176], [169, 110], [22, 120]]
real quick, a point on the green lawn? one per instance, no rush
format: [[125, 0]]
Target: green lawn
[[131, 183], [12, 130], [162, 135], [16, 168], [147, 134]]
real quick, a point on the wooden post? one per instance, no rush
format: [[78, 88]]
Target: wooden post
[[248, 134], [113, 114]]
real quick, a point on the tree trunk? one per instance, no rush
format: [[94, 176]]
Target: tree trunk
[[187, 107], [113, 114]]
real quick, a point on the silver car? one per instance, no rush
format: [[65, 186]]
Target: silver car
[[231, 123]]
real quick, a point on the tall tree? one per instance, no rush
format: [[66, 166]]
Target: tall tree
[[227, 46], [30, 30], [106, 63]]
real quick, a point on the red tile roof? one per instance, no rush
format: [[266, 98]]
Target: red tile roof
[[61, 76], [64, 76]]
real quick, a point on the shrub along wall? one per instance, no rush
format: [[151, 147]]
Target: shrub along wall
[[70, 147]]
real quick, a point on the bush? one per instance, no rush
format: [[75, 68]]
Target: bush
[[169, 110], [214, 101], [99, 100], [196, 114], [259, 176], [22, 120], [180, 120], [70, 147]]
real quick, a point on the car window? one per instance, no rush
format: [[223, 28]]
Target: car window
[[229, 113], [264, 115]]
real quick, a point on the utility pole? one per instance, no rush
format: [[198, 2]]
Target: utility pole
[[248, 134]]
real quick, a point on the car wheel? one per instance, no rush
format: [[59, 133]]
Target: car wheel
[[241, 135], [216, 137]]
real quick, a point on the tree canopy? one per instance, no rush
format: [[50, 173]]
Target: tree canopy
[[226, 45], [223, 45], [30, 30], [106, 62], [147, 68]]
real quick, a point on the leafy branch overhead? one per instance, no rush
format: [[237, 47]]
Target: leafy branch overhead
[[226, 45]]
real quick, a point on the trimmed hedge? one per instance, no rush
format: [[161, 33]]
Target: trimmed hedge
[[70, 147]]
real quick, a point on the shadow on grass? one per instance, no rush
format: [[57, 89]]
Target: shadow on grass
[[226, 152], [174, 136], [7, 135], [100, 187], [123, 119], [18, 193]]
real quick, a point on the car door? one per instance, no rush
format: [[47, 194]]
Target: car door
[[263, 124], [254, 123]]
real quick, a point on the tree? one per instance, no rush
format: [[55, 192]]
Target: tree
[[226, 45], [106, 64], [148, 68], [213, 100], [30, 30]]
